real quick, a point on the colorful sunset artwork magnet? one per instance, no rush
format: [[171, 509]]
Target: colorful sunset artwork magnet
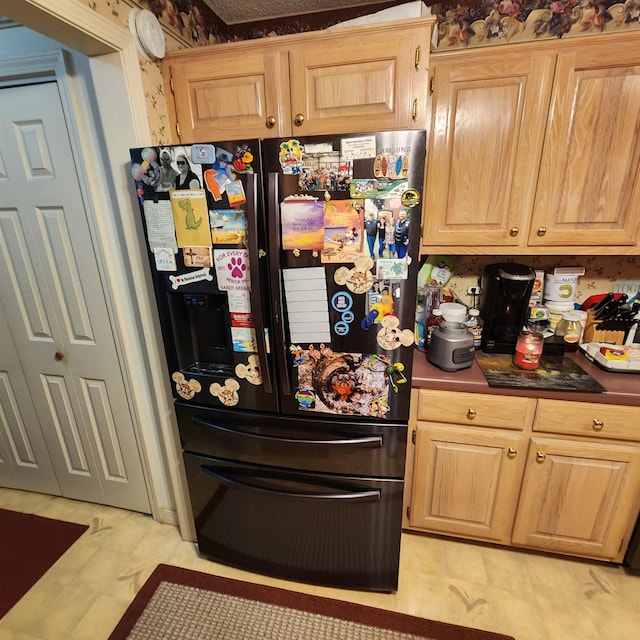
[[302, 223], [343, 224]]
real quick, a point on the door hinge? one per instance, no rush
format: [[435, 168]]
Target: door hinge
[[171, 84], [409, 512], [431, 85], [413, 436], [178, 129]]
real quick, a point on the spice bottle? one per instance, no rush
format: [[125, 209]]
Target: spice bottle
[[432, 322], [528, 350], [570, 330], [475, 324]]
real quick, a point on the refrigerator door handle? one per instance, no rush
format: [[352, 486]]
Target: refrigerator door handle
[[353, 496], [273, 207], [367, 441], [256, 291]]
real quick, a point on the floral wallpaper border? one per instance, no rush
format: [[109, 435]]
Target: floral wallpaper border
[[486, 22], [470, 23]]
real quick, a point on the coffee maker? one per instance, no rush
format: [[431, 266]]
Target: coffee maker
[[506, 289]]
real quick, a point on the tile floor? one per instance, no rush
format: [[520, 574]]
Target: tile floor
[[528, 595]]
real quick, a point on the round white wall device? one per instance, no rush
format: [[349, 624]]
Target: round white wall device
[[148, 33]]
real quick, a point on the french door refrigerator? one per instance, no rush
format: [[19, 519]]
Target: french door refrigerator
[[285, 277]]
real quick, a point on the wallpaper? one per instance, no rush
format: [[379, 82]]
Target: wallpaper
[[490, 22], [600, 271]]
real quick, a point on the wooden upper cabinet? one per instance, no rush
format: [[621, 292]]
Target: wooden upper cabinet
[[361, 82], [488, 118], [368, 78], [535, 149], [222, 95], [589, 184]]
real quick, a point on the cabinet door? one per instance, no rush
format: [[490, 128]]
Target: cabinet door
[[466, 481], [224, 95], [361, 82], [589, 185], [578, 498], [487, 128]]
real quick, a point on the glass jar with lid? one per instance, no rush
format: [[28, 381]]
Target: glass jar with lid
[[570, 330], [528, 350]]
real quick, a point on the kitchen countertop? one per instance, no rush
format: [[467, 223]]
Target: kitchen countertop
[[621, 388]]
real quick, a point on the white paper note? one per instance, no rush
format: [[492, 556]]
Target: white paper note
[[307, 303]]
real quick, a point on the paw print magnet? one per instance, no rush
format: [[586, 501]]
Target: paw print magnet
[[228, 394], [186, 388], [232, 269]]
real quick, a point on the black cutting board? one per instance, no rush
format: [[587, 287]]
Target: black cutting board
[[555, 373]]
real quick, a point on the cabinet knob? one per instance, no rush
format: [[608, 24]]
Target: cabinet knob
[[271, 122], [597, 424], [471, 413], [541, 231], [299, 119], [511, 452], [514, 232], [540, 456], [59, 356]]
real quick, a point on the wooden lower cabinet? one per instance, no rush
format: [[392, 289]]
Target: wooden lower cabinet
[[466, 481], [578, 497], [574, 489]]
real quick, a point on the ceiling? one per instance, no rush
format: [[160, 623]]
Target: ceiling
[[236, 12]]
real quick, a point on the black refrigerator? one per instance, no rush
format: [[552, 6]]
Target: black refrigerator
[[285, 277]]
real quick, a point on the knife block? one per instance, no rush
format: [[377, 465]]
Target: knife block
[[591, 332]]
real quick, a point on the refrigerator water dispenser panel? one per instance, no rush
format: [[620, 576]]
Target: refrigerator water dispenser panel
[[202, 336]]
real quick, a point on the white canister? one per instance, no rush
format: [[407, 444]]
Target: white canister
[[556, 309], [560, 288], [453, 311]]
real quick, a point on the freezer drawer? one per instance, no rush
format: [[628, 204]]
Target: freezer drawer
[[360, 449], [325, 529]]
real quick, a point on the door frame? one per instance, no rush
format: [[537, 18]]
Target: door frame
[[114, 67]]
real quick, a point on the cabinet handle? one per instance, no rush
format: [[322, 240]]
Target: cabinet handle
[[540, 456], [416, 61], [541, 231], [59, 356], [299, 119], [271, 122], [414, 110], [598, 425], [471, 413], [511, 453], [514, 232]]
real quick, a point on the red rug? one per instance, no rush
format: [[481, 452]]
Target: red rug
[[29, 546], [179, 604]]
